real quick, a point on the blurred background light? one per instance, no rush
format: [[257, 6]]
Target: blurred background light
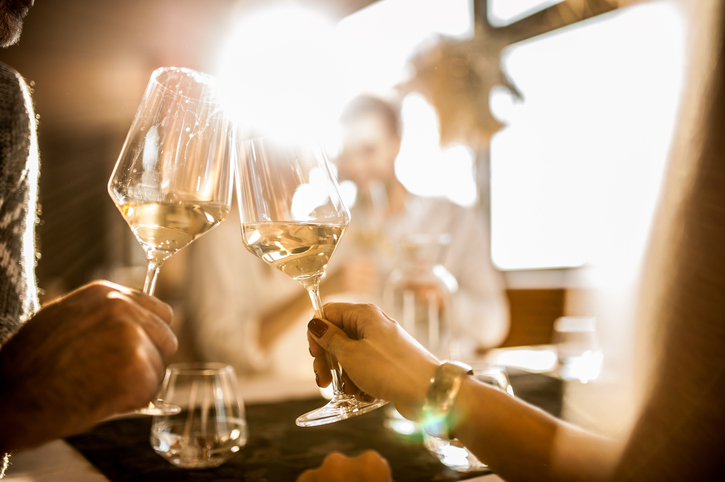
[[278, 69], [505, 12], [576, 174], [376, 52], [379, 39]]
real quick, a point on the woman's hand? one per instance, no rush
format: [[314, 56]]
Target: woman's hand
[[368, 467], [378, 357]]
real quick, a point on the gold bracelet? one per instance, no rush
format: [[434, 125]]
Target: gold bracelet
[[441, 395]]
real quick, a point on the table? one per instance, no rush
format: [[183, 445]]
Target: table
[[59, 462]]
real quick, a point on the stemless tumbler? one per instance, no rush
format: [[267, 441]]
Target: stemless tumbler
[[211, 426]]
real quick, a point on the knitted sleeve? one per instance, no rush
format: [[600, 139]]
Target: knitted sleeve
[[19, 166]]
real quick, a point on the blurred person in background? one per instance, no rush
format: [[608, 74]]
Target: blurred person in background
[[97, 352], [679, 431], [385, 214], [249, 314], [242, 311]]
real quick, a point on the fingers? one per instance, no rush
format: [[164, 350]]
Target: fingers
[[151, 303], [103, 301], [155, 305], [315, 349], [122, 305], [350, 388], [307, 476], [338, 467], [323, 376], [331, 337], [328, 336], [356, 318], [152, 314], [145, 366], [376, 463]]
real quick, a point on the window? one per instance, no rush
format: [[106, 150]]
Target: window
[[576, 174]]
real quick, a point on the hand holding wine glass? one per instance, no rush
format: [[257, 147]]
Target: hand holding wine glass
[[173, 179], [292, 218]]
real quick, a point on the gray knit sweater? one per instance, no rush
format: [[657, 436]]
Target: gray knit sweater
[[19, 165]]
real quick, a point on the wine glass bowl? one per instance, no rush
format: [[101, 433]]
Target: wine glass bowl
[[293, 218], [173, 180]]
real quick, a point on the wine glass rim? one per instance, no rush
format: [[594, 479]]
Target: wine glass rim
[[200, 368], [199, 77], [301, 139]]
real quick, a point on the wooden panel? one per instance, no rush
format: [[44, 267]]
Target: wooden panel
[[75, 205], [533, 312]]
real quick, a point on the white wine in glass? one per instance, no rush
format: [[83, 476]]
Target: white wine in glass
[[173, 181], [300, 250], [293, 218]]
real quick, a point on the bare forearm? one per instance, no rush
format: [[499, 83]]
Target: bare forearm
[[521, 442], [274, 322]]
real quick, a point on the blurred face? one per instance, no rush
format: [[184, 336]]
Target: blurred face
[[12, 13], [369, 150]]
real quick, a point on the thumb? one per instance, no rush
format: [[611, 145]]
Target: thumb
[[331, 338]]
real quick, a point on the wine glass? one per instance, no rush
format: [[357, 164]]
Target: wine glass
[[173, 179], [293, 217]]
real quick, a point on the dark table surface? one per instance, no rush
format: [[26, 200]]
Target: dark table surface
[[278, 450]]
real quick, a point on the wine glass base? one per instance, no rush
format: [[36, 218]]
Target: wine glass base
[[159, 407], [339, 408]]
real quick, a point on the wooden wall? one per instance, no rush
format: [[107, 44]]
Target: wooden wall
[[533, 312]]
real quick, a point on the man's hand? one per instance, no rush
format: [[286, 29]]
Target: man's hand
[[368, 467], [97, 352]]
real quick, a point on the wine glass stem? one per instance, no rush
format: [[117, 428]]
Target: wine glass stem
[[314, 291], [152, 274]]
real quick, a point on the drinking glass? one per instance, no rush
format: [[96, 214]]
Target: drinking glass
[[453, 453], [292, 218], [173, 180], [578, 351], [211, 427]]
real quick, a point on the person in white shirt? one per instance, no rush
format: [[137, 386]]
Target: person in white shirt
[[247, 313]]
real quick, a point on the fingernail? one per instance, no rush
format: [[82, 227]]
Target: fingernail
[[317, 327], [317, 378]]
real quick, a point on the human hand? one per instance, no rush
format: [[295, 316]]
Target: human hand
[[367, 467], [94, 353], [379, 358]]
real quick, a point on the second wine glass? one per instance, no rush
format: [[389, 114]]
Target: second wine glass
[[173, 180], [293, 218]]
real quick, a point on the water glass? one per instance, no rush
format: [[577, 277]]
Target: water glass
[[211, 426], [453, 453], [577, 347]]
